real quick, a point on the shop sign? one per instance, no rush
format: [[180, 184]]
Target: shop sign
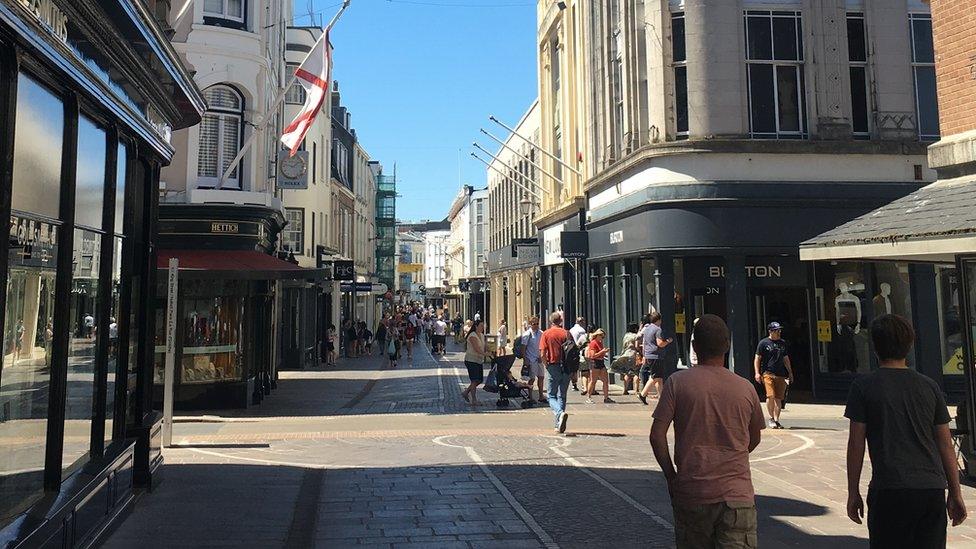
[[617, 237], [752, 271], [49, 14], [293, 170], [224, 228], [825, 331], [344, 270], [574, 245], [679, 323], [358, 287], [955, 364], [552, 245], [527, 252]]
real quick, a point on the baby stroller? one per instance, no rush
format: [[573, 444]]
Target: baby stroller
[[507, 386]]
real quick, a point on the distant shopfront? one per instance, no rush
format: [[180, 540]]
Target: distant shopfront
[[85, 123], [738, 260], [559, 277]]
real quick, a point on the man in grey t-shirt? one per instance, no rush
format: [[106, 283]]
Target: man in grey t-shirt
[[652, 341]]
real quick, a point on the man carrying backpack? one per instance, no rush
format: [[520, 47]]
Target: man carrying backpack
[[558, 351]]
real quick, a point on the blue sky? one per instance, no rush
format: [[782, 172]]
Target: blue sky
[[421, 76]]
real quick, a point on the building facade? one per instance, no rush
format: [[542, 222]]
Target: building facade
[[729, 135], [86, 125], [513, 256], [435, 265], [411, 249], [465, 266]]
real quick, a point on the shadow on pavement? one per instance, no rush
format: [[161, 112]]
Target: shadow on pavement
[[233, 505]]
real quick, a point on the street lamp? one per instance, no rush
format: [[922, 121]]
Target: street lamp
[[526, 205]]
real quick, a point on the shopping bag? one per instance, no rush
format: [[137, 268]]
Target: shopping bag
[[491, 382], [391, 348]]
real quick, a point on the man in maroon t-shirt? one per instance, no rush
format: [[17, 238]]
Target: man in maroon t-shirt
[[717, 423]]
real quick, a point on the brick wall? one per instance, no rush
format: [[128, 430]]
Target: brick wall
[[954, 35]]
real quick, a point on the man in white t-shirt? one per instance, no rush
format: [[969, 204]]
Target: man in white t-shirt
[[440, 335], [532, 357], [578, 331]]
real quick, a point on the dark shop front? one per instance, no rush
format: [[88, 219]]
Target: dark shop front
[[227, 354], [736, 256], [89, 94]]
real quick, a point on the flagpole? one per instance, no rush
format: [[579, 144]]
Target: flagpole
[[279, 98]]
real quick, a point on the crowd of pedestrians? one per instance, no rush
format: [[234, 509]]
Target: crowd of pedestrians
[[898, 415]]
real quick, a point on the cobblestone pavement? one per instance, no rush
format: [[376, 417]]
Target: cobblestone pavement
[[364, 456]]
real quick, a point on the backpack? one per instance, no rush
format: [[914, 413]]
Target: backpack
[[519, 348], [571, 355]]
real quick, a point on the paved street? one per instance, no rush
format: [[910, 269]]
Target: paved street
[[361, 455]]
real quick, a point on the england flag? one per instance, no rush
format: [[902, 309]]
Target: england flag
[[313, 74]]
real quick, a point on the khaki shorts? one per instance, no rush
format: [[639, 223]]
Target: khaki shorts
[[775, 386], [730, 526]]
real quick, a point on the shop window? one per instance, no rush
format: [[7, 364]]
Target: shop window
[[950, 321], [29, 316], [220, 136], [683, 321], [211, 332], [82, 336], [120, 185], [892, 294], [857, 55], [843, 303], [923, 73], [38, 146], [113, 337], [679, 60], [648, 286], [774, 54], [90, 177]]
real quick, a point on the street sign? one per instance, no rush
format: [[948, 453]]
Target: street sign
[[358, 287], [379, 288], [574, 245]]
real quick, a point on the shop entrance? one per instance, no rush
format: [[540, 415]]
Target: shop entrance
[[709, 301], [789, 307]]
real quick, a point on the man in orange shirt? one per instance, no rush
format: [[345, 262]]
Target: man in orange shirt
[[717, 423], [551, 351]]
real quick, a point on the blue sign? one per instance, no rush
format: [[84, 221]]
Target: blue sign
[[358, 287]]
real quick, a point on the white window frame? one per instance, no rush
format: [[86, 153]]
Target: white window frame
[[798, 66], [296, 93], [224, 117], [290, 230], [223, 14]]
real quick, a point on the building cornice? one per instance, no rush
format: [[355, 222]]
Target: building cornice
[[561, 213]]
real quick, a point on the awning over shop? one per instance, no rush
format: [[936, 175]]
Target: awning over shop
[[236, 264], [933, 224]]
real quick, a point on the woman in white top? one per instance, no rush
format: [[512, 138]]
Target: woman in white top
[[474, 360], [502, 337]]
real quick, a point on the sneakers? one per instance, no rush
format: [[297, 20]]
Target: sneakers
[[588, 401], [608, 400], [642, 398], [576, 387], [771, 424], [563, 417], [778, 425]]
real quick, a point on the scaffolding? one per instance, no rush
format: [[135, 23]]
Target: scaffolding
[[386, 229]]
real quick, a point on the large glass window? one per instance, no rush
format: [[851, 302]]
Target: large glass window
[[842, 303], [923, 71], [680, 61], [212, 327], [90, 177], [774, 53], [113, 336], [857, 55], [220, 136], [950, 321], [29, 315]]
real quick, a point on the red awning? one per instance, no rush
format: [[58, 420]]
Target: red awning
[[238, 264]]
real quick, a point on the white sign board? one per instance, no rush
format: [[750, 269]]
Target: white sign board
[[551, 245], [169, 369]]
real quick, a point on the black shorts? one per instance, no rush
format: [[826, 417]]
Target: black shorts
[[907, 518], [652, 368], [476, 372], [599, 365], [329, 346]]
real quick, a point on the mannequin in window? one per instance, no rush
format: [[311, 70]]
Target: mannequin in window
[[848, 308], [882, 301]]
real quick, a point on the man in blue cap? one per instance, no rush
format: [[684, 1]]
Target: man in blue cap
[[774, 371]]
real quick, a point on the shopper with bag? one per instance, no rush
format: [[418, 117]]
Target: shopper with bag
[[596, 355], [626, 364], [554, 347]]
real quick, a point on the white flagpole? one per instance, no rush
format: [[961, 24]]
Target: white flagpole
[[263, 124]]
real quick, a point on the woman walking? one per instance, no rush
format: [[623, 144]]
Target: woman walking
[[626, 363], [381, 335], [597, 355], [474, 359], [330, 353], [410, 333], [652, 372], [393, 345], [502, 337]]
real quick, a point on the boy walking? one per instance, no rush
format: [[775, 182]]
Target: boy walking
[[717, 423], [902, 415]]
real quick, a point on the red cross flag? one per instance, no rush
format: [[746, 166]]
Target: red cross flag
[[313, 74]]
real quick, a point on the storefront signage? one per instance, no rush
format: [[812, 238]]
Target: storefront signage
[[679, 323], [752, 271], [574, 245], [48, 13], [527, 253], [825, 332], [293, 170], [617, 237], [344, 270], [552, 245], [358, 287], [224, 228]]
